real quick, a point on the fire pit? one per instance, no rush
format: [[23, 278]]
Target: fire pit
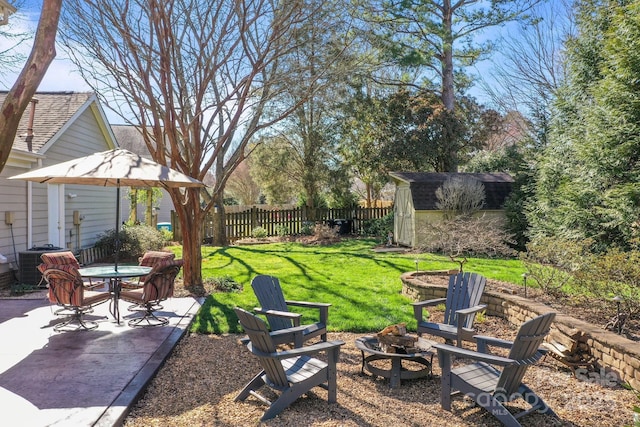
[[419, 351]]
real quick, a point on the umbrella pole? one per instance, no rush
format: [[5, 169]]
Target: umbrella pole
[[115, 256]]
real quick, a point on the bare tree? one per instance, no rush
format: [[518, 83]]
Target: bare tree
[[242, 186], [195, 75], [532, 65], [20, 94]]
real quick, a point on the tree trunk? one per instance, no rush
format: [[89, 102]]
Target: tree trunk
[[191, 216], [448, 93], [219, 229], [20, 95]]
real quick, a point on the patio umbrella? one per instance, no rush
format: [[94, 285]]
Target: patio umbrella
[[112, 168]]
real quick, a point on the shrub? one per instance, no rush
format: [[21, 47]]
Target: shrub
[[379, 227], [460, 196], [135, 240], [553, 262], [224, 284], [463, 236], [307, 228], [259, 233], [324, 231], [282, 230]]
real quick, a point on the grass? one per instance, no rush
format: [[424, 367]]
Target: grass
[[363, 286]]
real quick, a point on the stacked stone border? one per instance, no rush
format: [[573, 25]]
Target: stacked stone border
[[612, 351]]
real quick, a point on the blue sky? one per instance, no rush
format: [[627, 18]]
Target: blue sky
[[63, 76]]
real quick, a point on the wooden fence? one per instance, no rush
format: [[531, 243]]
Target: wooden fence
[[288, 221]]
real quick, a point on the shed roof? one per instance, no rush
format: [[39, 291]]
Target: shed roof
[[423, 185], [53, 111]]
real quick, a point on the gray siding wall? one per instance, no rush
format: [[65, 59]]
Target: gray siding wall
[[97, 205], [13, 195]]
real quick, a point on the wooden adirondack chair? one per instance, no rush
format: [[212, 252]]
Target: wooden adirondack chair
[[285, 325], [488, 386], [462, 304], [293, 372]]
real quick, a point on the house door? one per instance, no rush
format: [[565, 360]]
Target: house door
[[55, 202]]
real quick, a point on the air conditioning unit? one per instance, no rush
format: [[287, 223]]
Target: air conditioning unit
[[30, 260]]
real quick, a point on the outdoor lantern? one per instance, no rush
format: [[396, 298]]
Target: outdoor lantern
[[524, 280], [618, 299], [416, 261], [5, 10]]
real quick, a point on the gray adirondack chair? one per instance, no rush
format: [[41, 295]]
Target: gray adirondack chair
[[462, 303], [490, 387], [292, 373], [284, 324]]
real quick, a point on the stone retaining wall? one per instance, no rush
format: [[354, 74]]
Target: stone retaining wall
[[613, 352]]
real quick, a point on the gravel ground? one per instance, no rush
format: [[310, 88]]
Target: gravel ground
[[198, 383]]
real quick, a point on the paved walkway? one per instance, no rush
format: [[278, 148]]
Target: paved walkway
[[84, 378]]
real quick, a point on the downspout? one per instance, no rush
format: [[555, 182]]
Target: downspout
[[29, 139]]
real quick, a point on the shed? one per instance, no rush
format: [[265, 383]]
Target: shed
[[415, 205]]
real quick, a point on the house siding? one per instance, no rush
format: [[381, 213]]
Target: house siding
[[97, 205], [66, 125]]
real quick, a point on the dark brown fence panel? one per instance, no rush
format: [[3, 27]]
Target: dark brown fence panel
[[241, 224]]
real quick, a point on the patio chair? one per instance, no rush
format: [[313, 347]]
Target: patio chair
[[285, 325], [461, 306], [149, 259], [157, 287], [490, 387], [293, 372], [67, 290], [65, 258]]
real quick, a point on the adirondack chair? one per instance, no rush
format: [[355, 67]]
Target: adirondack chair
[[292, 372], [285, 325], [488, 386], [462, 304]]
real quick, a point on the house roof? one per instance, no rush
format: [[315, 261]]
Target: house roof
[[423, 185], [130, 138], [53, 111]]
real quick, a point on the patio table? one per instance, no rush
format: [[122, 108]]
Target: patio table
[[115, 280]]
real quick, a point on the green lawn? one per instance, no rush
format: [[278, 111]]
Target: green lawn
[[362, 286]]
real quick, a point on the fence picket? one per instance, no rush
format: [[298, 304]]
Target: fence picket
[[241, 224]]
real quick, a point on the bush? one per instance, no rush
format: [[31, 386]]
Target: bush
[[379, 227], [259, 233], [307, 228], [464, 236], [323, 232], [135, 240], [224, 284], [282, 230], [553, 262]]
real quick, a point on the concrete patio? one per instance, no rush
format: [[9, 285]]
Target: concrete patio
[[82, 378]]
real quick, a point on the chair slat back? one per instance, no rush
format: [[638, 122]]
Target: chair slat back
[[65, 286], [270, 297], [159, 283], [60, 258], [524, 349], [151, 258], [258, 333], [464, 291]]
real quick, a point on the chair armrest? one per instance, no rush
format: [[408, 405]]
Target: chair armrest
[[462, 316], [322, 307], [282, 335], [300, 351], [485, 341], [446, 351], [418, 306], [471, 310], [286, 314], [307, 304]]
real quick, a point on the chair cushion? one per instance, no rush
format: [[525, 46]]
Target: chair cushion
[[60, 258], [150, 258]]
